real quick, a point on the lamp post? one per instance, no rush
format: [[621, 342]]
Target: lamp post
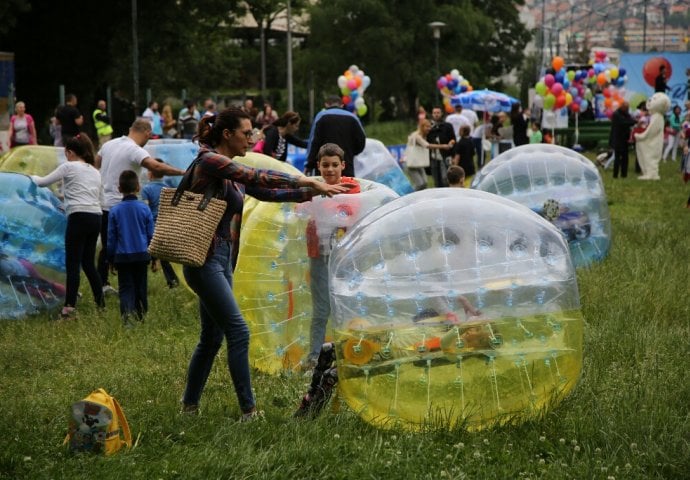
[[436, 30]]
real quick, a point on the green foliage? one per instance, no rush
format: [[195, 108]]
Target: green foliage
[[393, 43], [626, 419]]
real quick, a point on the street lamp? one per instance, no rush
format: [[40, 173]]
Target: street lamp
[[436, 30]]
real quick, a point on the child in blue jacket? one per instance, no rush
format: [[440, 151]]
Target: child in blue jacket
[[130, 228]]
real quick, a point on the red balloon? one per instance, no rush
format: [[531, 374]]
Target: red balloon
[[575, 107], [650, 70], [606, 92], [560, 101], [556, 89]]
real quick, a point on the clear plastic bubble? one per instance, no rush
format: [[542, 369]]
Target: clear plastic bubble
[[376, 163], [562, 186], [32, 247], [271, 279], [454, 336]]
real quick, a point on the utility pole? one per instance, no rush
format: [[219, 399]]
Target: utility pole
[[135, 53], [644, 28], [289, 57]]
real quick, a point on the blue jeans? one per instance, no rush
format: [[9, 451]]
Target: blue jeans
[[320, 304], [132, 284], [220, 317]]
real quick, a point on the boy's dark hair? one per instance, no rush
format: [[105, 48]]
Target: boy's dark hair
[[455, 174], [537, 124], [129, 182], [331, 150], [154, 174], [465, 131]]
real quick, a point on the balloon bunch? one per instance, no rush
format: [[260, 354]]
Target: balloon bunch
[[555, 88], [603, 72], [451, 85], [352, 84]]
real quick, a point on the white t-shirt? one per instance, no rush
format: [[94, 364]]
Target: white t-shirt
[[81, 186], [470, 115], [458, 120], [117, 156]]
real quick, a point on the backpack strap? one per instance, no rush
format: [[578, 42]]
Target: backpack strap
[[123, 423]]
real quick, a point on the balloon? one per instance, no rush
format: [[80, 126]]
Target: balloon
[[358, 81], [601, 78], [568, 99], [342, 81], [556, 89], [583, 105], [560, 101], [571, 75], [449, 108], [549, 80], [575, 107], [549, 101], [346, 99], [590, 72], [540, 88], [607, 102], [401, 358], [557, 63], [345, 91], [455, 73], [359, 101], [606, 92], [362, 110], [352, 84], [32, 226], [621, 72], [366, 81], [613, 72], [443, 81]]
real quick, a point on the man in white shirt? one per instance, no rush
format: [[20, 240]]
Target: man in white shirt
[[114, 157], [457, 120]]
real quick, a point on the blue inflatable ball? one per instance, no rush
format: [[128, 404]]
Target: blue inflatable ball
[[32, 247]]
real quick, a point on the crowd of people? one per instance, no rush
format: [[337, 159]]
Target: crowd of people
[[463, 139]]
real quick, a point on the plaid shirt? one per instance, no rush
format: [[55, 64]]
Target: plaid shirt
[[238, 179]]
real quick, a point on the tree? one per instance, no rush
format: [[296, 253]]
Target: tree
[[392, 42], [619, 42]]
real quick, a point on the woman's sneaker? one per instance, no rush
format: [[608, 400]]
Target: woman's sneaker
[[68, 312], [252, 416]]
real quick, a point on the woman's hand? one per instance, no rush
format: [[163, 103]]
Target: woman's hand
[[323, 188]]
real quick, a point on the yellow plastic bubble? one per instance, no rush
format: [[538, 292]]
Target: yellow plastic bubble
[[454, 317]]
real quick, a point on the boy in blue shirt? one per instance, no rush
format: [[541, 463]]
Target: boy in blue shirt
[[150, 194], [130, 228]]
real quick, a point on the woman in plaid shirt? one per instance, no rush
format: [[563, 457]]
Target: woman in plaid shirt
[[222, 137]]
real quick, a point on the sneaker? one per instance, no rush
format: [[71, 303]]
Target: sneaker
[[68, 312], [108, 290], [190, 409], [252, 416]]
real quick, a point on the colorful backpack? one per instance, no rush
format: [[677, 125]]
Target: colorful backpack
[[97, 424]]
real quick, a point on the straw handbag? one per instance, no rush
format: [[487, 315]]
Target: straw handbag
[[186, 223]]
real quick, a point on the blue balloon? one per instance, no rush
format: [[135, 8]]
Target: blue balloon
[[621, 72]]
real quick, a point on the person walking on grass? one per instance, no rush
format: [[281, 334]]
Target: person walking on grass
[[222, 137]]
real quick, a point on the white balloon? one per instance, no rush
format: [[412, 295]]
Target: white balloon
[[455, 73], [353, 68], [359, 101], [342, 81], [366, 81]]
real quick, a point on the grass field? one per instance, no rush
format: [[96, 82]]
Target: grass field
[[627, 419]]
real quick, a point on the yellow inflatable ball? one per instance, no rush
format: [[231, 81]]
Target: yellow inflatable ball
[[454, 308]]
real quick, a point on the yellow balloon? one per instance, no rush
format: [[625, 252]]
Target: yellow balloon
[[614, 72]]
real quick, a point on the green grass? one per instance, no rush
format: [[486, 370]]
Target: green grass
[[627, 419], [391, 133]]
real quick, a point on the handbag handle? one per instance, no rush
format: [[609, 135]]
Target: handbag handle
[[186, 182]]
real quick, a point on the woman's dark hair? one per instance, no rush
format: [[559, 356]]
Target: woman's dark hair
[[286, 118], [211, 127], [82, 147]]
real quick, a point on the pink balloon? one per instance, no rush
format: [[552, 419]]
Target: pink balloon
[[556, 89], [352, 84], [549, 80], [590, 72]]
